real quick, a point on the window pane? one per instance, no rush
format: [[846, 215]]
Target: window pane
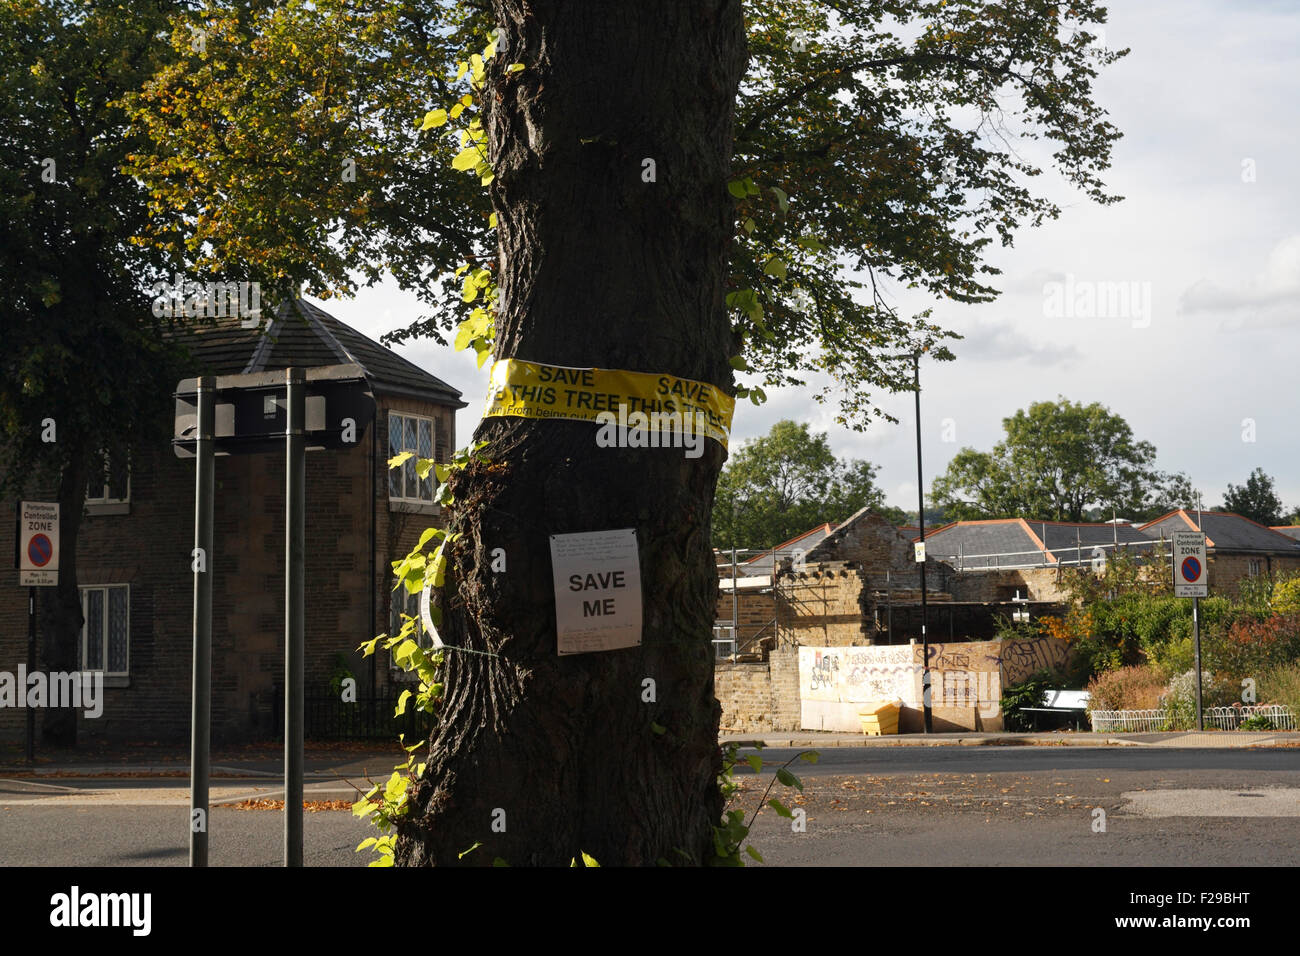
[[426, 451], [94, 629], [408, 470], [118, 602], [394, 448], [119, 481]]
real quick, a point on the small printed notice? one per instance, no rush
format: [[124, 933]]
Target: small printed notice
[[597, 590]]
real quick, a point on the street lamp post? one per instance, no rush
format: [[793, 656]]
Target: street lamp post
[[920, 519]]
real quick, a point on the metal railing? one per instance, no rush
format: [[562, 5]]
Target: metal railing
[[328, 717], [1222, 718], [1094, 551]]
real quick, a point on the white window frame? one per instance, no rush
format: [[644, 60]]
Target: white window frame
[[402, 499], [85, 622], [1255, 567]]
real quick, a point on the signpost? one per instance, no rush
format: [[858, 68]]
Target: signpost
[[1191, 579], [37, 560], [324, 407]]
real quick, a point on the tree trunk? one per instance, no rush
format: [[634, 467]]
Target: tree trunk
[[598, 267], [62, 619]]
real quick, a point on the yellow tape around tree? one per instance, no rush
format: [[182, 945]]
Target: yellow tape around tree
[[646, 401]]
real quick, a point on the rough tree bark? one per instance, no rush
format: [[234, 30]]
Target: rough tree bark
[[597, 267]]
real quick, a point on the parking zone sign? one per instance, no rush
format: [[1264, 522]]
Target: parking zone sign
[[38, 543], [1191, 573]]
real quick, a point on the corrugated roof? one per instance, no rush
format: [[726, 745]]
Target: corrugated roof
[[304, 336]]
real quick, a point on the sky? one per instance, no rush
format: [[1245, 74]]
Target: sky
[[1198, 344]]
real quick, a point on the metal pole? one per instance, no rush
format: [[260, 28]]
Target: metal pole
[[1196, 639], [31, 669], [295, 489], [735, 604], [201, 562], [920, 518], [889, 598]]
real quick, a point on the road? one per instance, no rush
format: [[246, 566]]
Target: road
[[933, 806]]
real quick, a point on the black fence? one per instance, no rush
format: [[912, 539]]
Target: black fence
[[328, 717]]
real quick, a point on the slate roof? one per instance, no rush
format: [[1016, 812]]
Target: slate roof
[[1020, 542], [1290, 530], [971, 539], [304, 336], [1225, 531], [761, 565]]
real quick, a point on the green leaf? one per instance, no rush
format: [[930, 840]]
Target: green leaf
[[737, 189], [589, 860], [789, 779], [401, 703], [749, 226], [515, 68], [775, 267], [465, 853], [809, 756], [467, 159], [657, 728], [780, 808], [434, 118], [367, 842], [782, 200], [499, 862], [754, 854], [492, 221], [457, 109], [398, 460], [755, 761]]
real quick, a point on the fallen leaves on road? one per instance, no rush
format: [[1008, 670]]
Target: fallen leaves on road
[[311, 806]]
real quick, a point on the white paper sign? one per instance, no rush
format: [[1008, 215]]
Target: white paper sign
[[597, 590]]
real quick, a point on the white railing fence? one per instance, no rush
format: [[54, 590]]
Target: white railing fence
[[1222, 718]]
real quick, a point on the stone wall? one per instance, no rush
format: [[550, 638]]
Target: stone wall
[[756, 612], [759, 698]]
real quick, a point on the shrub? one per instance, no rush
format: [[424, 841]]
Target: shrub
[[1281, 685], [1128, 688], [1180, 698], [1286, 595], [1256, 722], [1250, 646], [1028, 693]]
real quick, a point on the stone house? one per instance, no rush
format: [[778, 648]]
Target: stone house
[[134, 562], [1236, 547]]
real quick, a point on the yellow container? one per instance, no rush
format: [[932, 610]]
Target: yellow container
[[879, 717]]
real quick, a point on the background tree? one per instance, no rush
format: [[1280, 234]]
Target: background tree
[[85, 373], [873, 144], [1255, 499], [786, 482], [1061, 461]]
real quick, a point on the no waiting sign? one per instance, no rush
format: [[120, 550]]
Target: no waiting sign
[[1191, 574], [38, 543]]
